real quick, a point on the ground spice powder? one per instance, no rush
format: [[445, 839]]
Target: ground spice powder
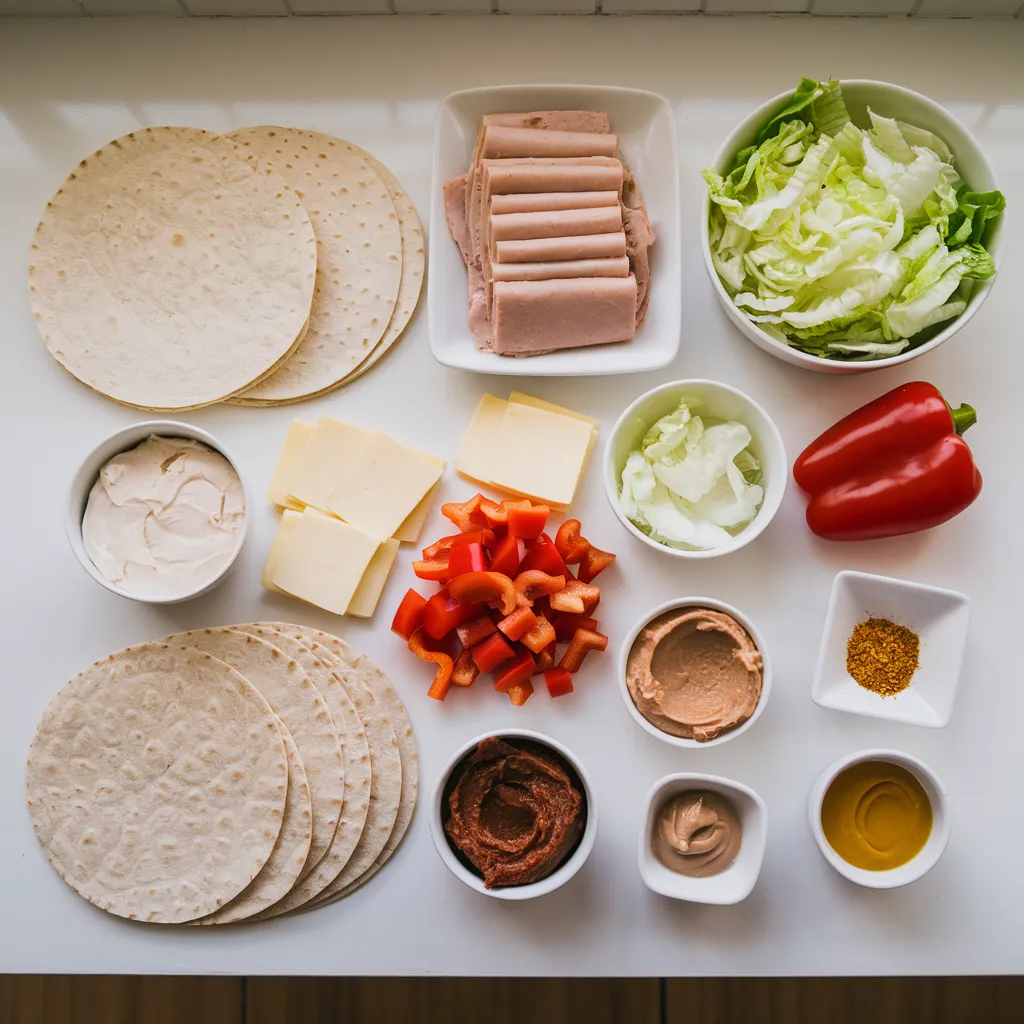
[[882, 656]]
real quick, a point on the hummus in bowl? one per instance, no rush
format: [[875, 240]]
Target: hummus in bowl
[[694, 672]]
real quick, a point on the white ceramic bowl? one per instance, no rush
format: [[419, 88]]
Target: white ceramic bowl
[[930, 852], [645, 125], [891, 101], [563, 872], [715, 401], [729, 886], [939, 617], [120, 441], [695, 602]]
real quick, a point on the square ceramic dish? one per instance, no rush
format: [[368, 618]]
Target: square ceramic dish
[[939, 617], [734, 883], [645, 125]]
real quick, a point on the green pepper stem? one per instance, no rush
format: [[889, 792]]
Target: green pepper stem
[[963, 417]]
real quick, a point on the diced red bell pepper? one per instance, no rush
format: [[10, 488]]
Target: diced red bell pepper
[[576, 598], [567, 624], [464, 672], [491, 588], [595, 561], [519, 694], [543, 555], [490, 653], [466, 515], [465, 558], [507, 555], [420, 645], [435, 569], [540, 636], [583, 642], [515, 672], [570, 544], [439, 547], [443, 613], [534, 583], [526, 520], [475, 630], [558, 682], [495, 514], [409, 616], [546, 658], [520, 622]]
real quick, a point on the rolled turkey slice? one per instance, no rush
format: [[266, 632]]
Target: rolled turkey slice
[[538, 202], [503, 141], [575, 247], [532, 317], [613, 266], [554, 223]]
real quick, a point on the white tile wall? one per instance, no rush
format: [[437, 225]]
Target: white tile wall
[[441, 6], [236, 8], [648, 6], [946, 8], [856, 7], [42, 7], [99, 7], [759, 6]]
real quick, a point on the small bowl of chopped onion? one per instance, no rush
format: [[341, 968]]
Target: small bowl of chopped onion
[[849, 226], [695, 468]]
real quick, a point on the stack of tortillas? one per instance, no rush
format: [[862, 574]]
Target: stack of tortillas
[[176, 268], [223, 775]]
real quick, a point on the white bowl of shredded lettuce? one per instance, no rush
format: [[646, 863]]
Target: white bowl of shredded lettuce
[[849, 226], [695, 468]]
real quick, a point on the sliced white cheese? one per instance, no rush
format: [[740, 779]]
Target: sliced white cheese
[[331, 447], [284, 530], [540, 454], [538, 403], [281, 483], [371, 586], [381, 486], [410, 530], [475, 458], [323, 560]]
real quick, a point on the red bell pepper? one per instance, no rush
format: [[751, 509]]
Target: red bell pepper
[[595, 561], [519, 694], [582, 643], [896, 465], [490, 588], [490, 653], [515, 673], [443, 613], [533, 583], [569, 542], [526, 520], [435, 569], [546, 658], [540, 636], [465, 558], [519, 623], [475, 630], [566, 625], [421, 646], [543, 555], [409, 616], [464, 672], [558, 682], [507, 555], [439, 547], [466, 515], [576, 598]]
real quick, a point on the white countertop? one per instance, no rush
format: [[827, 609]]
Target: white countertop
[[67, 88]]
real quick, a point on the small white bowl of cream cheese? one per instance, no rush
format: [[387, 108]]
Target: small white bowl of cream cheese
[[157, 512]]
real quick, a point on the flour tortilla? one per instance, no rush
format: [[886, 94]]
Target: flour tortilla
[[299, 703], [361, 666], [359, 256], [156, 783], [168, 274], [288, 857], [356, 748]]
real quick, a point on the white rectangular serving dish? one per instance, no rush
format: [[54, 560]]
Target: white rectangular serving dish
[[645, 125]]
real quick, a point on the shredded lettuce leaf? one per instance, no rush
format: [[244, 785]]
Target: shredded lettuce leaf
[[690, 483], [847, 242]]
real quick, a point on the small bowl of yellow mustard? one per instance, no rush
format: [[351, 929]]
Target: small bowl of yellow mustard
[[880, 818]]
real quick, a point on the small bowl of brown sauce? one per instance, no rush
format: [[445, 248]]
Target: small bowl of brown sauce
[[513, 815], [880, 818]]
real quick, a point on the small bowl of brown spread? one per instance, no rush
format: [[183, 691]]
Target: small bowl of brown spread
[[513, 815], [891, 649]]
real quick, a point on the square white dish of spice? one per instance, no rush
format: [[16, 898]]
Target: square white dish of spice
[[891, 649]]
